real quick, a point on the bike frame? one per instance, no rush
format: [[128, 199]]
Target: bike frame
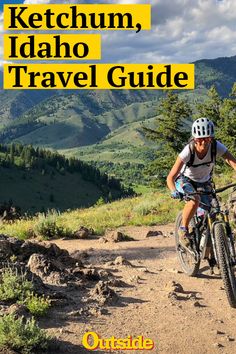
[[212, 217]]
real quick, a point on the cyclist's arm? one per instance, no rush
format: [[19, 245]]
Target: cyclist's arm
[[174, 173], [230, 159]]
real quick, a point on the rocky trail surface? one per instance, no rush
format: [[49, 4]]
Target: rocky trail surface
[[133, 288], [155, 299]]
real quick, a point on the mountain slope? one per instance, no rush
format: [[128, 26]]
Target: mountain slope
[[220, 72], [69, 119]]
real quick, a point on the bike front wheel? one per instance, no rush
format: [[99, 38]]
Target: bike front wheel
[[225, 263], [186, 258]]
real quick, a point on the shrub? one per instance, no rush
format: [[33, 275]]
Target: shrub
[[22, 336], [46, 226], [100, 201], [37, 305], [14, 286], [147, 207]]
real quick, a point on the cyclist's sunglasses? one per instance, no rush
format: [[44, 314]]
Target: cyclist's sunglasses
[[199, 140]]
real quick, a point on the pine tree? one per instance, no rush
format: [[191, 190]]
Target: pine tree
[[12, 153], [227, 124], [223, 113], [211, 107], [170, 135]]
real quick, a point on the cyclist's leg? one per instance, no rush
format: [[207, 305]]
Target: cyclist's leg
[[189, 211], [205, 199], [205, 204], [184, 185]]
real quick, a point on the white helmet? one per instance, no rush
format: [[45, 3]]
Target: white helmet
[[203, 128]]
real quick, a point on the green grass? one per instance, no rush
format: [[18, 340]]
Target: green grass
[[141, 189]]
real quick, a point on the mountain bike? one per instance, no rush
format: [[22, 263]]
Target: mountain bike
[[211, 238]]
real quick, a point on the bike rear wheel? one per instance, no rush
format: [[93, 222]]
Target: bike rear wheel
[[225, 263], [187, 260]]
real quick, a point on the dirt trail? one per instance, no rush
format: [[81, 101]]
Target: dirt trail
[[193, 320]]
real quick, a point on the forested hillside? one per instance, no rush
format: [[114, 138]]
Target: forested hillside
[[38, 179]]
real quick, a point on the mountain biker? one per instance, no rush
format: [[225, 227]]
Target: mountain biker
[[193, 170]]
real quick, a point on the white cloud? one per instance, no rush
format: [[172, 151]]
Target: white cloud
[[182, 31]]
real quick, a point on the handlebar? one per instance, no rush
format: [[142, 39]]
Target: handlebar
[[222, 189], [187, 196]]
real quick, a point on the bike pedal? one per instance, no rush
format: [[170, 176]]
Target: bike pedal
[[211, 262]]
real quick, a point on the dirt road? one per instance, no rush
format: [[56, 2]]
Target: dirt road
[[180, 314]]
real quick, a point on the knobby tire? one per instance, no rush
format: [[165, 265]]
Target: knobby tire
[[227, 270]]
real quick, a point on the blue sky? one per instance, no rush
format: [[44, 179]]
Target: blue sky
[[182, 31]]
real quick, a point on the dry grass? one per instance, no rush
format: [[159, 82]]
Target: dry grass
[[149, 209]]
